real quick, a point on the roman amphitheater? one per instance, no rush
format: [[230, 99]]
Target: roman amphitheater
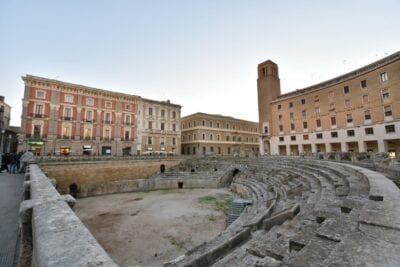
[[325, 210]]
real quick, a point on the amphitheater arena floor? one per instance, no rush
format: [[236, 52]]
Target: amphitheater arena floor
[[149, 228]]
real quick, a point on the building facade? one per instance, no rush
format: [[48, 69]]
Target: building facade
[[159, 127], [8, 134], [207, 134], [356, 112], [70, 119]]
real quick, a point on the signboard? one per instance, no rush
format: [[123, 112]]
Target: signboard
[[37, 142]]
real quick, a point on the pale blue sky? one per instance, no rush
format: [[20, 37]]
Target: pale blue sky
[[200, 54]]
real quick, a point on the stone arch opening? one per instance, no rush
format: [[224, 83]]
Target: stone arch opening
[[73, 190], [162, 168], [180, 185]]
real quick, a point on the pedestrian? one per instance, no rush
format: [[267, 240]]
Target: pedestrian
[[14, 163], [25, 158]]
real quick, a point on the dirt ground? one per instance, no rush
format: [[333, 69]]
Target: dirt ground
[[149, 228]]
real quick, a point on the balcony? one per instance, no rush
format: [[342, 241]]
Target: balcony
[[128, 123], [38, 115], [90, 120], [106, 122], [67, 118]]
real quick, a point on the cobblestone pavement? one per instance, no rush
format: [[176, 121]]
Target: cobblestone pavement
[[10, 199]]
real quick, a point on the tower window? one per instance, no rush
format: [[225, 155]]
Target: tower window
[[363, 83], [346, 90], [303, 101], [383, 76]]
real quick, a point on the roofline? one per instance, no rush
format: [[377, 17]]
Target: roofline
[[160, 102], [215, 115], [344, 77]]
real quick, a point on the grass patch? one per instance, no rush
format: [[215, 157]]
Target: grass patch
[[219, 202]]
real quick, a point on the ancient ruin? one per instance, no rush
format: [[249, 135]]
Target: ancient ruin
[[286, 211]]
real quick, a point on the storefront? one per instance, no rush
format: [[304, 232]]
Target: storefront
[[35, 145], [87, 150], [65, 150]]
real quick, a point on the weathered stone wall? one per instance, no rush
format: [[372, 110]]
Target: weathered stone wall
[[124, 186], [52, 234], [88, 173]]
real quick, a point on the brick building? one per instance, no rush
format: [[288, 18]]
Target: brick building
[[72, 119], [8, 134], [355, 112], [205, 134]]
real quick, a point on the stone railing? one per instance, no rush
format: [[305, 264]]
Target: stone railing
[[52, 235]]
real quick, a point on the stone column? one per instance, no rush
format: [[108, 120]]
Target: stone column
[[381, 145], [361, 146], [343, 146]]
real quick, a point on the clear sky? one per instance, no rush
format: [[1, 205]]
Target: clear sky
[[200, 54]]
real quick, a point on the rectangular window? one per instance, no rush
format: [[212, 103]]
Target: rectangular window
[[305, 126], [332, 107], [292, 126], [319, 136], [89, 101], [150, 111], [383, 76], [317, 111], [305, 136], [39, 109], [127, 135], [150, 125], [173, 141], [266, 129], [334, 134], [333, 121], [290, 104], [107, 117], [390, 128], [281, 138], [107, 133], [67, 113], [40, 94], [365, 99], [174, 127], [149, 140], [69, 98], [127, 119], [385, 93], [304, 113], [346, 90], [293, 138], [127, 107], [280, 117], [331, 95], [369, 131], [108, 104], [88, 132], [89, 115], [350, 133], [281, 128], [349, 118], [279, 106], [347, 103], [363, 83], [162, 126], [204, 136], [291, 115], [162, 113], [66, 132], [162, 142], [36, 131], [211, 124], [367, 115], [303, 101], [318, 123], [173, 114], [316, 99], [388, 111]]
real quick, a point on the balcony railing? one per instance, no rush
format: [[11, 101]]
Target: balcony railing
[[90, 120], [106, 122], [38, 115], [67, 118]]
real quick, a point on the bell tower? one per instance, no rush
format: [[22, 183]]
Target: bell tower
[[268, 89]]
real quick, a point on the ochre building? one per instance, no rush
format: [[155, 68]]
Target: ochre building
[[71, 119], [208, 134], [355, 112]]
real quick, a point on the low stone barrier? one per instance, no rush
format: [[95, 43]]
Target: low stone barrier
[[52, 235]]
